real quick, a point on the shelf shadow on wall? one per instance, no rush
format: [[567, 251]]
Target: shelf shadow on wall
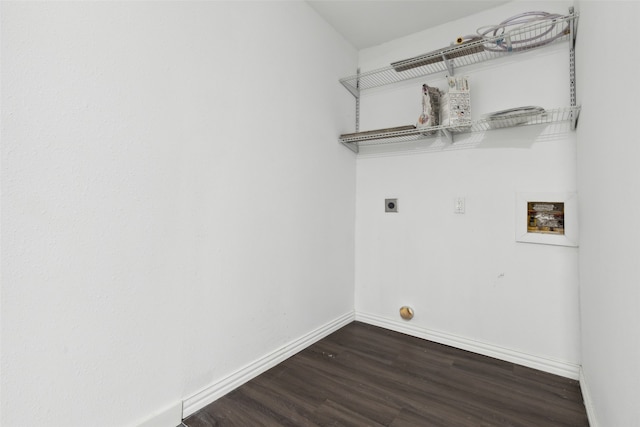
[[525, 137]]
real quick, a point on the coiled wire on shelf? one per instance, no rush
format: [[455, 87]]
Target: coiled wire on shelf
[[543, 35]]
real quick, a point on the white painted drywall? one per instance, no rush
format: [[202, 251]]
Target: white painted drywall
[[465, 275], [608, 177], [175, 204]]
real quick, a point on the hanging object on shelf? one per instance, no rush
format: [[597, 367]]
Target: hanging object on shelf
[[523, 31], [512, 116], [430, 116], [455, 105]]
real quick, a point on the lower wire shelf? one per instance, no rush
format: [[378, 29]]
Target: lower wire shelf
[[409, 133]]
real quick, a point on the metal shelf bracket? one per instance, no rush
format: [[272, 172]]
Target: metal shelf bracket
[[449, 63], [448, 135]]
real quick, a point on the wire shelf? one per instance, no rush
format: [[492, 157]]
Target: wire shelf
[[557, 115], [522, 39]]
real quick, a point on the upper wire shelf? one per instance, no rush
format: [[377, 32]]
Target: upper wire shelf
[[522, 39]]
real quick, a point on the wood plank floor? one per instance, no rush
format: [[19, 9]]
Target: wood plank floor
[[363, 375]]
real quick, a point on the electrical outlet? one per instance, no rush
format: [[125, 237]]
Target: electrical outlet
[[458, 206]]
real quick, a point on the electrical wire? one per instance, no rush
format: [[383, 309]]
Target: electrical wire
[[504, 30]]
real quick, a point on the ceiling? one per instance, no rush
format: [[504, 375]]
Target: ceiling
[[366, 23]]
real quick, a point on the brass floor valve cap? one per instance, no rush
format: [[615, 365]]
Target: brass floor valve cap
[[406, 313]]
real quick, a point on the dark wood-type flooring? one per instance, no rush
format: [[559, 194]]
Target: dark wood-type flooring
[[363, 375]]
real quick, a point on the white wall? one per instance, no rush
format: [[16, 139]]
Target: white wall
[[175, 203], [465, 275], [608, 178]]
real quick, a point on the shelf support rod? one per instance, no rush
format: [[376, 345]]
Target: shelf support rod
[[572, 71], [573, 28], [353, 146], [358, 101]]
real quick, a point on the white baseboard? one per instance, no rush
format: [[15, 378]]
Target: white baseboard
[[557, 367], [588, 402], [268, 361], [168, 417]]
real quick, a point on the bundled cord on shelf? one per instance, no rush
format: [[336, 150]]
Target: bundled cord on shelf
[[519, 22]]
